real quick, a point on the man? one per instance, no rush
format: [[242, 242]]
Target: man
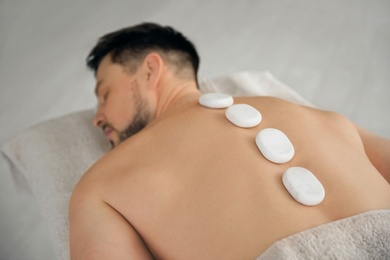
[[188, 184]]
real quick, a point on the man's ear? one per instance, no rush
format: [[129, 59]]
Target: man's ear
[[153, 68]]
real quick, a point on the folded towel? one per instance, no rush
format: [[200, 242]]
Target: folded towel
[[363, 236]]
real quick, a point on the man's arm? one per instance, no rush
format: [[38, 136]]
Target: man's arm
[[378, 151], [97, 231]]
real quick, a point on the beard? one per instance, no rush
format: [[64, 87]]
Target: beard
[[141, 118]]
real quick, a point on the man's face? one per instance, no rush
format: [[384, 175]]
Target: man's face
[[122, 110]]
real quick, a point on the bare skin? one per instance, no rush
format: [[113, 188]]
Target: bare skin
[[193, 186]]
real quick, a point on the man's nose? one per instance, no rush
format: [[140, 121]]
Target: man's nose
[[98, 119]]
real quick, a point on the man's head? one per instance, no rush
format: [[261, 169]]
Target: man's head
[[130, 45], [127, 65]]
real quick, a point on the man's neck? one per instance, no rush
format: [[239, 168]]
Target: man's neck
[[174, 91]]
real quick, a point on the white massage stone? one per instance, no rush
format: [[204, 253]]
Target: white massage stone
[[303, 186], [243, 115], [275, 145], [216, 100]]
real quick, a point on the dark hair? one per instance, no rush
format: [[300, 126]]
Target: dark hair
[[130, 45]]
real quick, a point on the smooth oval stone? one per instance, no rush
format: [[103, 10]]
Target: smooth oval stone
[[275, 145], [216, 100], [243, 115], [303, 186]]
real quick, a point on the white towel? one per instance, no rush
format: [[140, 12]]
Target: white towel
[[363, 236]]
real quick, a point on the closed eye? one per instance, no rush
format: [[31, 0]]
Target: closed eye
[[102, 96]]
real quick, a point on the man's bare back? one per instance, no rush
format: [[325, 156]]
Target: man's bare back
[[191, 185]]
